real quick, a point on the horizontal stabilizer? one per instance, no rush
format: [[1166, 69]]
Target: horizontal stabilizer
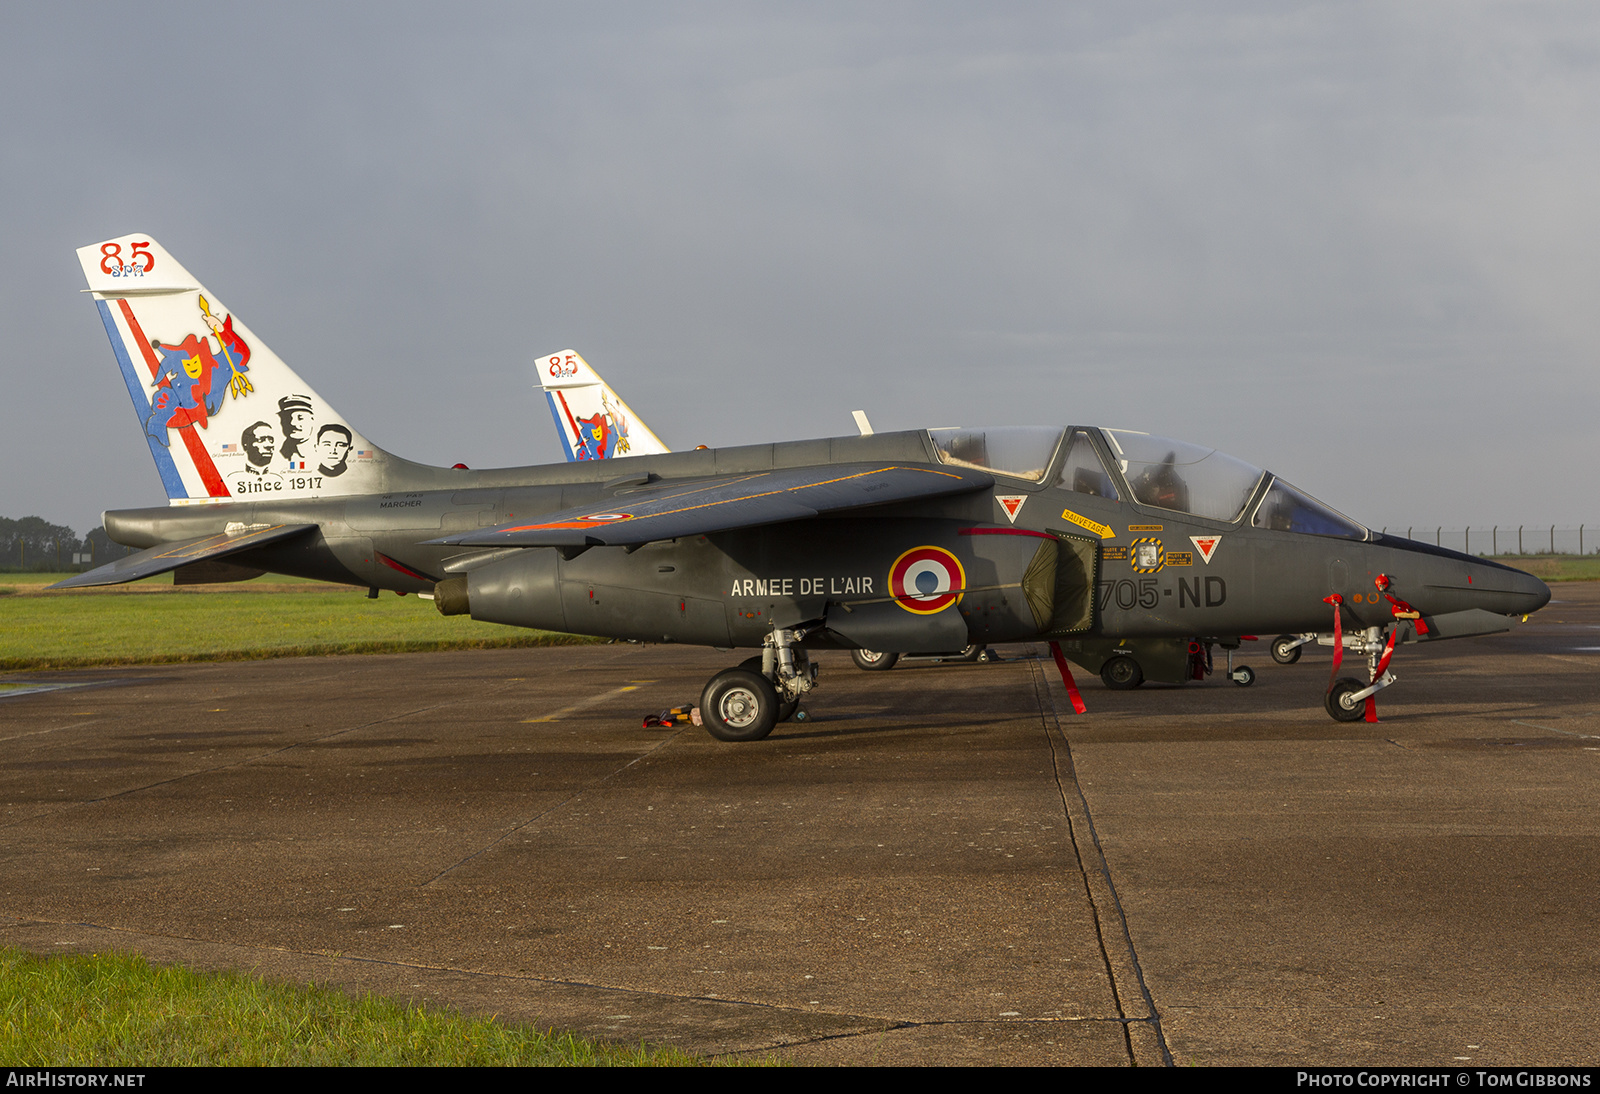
[[169, 556], [718, 505]]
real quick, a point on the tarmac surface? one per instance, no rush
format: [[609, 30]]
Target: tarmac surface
[[945, 866]]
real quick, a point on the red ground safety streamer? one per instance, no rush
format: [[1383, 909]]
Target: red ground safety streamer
[[1402, 610], [1338, 638], [1399, 608], [1066, 678]]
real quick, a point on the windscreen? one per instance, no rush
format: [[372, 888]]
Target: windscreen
[[1168, 474], [1286, 509]]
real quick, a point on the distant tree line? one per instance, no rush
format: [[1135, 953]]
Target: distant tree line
[[33, 543]]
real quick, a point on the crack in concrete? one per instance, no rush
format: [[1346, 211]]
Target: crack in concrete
[[568, 800], [1105, 905]]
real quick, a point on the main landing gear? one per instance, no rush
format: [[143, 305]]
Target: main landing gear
[[1286, 647], [744, 704], [877, 661]]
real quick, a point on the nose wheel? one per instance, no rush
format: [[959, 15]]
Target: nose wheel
[[1342, 700]]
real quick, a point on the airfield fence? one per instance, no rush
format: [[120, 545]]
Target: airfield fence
[[1507, 539]]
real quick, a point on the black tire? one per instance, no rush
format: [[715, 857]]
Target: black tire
[[739, 705], [1284, 652], [1244, 676], [873, 661], [1335, 701], [1122, 673], [971, 653]]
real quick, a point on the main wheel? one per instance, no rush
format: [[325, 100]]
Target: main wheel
[[739, 705], [1122, 673], [873, 661], [1285, 651], [971, 653], [1340, 706]]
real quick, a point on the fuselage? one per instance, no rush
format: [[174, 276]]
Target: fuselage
[[1124, 568]]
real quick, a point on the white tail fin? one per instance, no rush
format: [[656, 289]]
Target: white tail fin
[[225, 418], [593, 423]]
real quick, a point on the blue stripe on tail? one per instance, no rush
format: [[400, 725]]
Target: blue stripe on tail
[[561, 426], [141, 405]]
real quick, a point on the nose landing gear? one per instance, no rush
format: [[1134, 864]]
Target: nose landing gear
[[1348, 699]]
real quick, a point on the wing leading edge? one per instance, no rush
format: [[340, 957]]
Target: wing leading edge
[[720, 505]]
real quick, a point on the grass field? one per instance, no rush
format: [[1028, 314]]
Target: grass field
[[1553, 568], [119, 1011], [154, 622]]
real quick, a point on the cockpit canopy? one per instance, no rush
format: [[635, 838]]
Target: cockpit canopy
[[1155, 472], [1167, 474]]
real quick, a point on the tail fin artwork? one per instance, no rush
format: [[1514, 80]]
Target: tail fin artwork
[[593, 423], [225, 418]]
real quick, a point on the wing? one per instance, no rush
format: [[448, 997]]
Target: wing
[[169, 556], [736, 501]]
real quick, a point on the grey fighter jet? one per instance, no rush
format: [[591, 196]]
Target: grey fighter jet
[[1124, 550]]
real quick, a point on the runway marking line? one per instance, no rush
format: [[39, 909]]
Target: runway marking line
[[592, 701], [1553, 729], [10, 690]]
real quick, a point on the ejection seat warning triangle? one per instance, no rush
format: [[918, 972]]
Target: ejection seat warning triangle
[[1012, 504], [1206, 545]]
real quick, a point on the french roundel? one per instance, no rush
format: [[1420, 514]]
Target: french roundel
[[925, 580]]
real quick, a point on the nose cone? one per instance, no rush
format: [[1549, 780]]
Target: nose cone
[[1528, 593], [1501, 589], [1437, 581]]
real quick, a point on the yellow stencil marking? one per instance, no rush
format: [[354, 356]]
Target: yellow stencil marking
[[1096, 527]]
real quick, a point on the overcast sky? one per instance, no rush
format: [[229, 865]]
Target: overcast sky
[[1356, 244]]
